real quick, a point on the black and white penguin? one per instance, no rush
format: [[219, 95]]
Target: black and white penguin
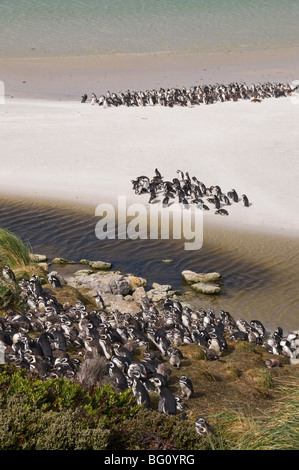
[[167, 401], [139, 391], [233, 195], [186, 386], [175, 357], [120, 378], [8, 274], [202, 427], [99, 301], [54, 280], [94, 99], [84, 98], [245, 200], [35, 286], [221, 212]]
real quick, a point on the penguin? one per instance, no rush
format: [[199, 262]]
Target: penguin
[[99, 301], [233, 195], [139, 391], [167, 401], [186, 387], [35, 286], [221, 212], [8, 274], [175, 357], [84, 98], [54, 280], [245, 200], [120, 378], [94, 99], [269, 363], [202, 427]]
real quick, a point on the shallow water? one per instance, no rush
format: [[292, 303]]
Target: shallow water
[[36, 28], [260, 272]]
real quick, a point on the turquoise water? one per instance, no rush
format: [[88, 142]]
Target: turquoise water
[[39, 28]]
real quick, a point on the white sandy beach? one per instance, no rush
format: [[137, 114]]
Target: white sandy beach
[[88, 155]]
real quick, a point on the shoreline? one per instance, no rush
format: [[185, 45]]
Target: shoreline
[[48, 143], [67, 78]]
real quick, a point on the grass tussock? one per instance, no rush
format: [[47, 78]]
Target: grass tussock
[[13, 251]]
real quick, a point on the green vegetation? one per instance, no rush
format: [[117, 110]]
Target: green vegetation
[[13, 251], [62, 414]]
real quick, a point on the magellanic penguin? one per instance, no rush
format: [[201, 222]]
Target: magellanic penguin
[[245, 200], [186, 386], [8, 274], [139, 391], [202, 427], [167, 401]]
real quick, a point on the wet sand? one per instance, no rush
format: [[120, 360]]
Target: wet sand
[[67, 78]]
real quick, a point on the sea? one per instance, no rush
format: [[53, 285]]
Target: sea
[[43, 28], [260, 272]]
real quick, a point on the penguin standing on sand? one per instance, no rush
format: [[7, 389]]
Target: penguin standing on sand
[[245, 200]]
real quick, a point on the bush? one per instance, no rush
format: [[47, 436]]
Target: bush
[[24, 428]]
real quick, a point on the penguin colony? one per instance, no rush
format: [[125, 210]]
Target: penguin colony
[[186, 190], [40, 340], [194, 96]]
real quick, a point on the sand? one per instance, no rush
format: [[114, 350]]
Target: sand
[[65, 150], [55, 148]]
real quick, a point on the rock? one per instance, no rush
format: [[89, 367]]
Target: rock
[[123, 306], [38, 258], [206, 288], [135, 281], [166, 260], [83, 272], [160, 292], [44, 266], [161, 287], [109, 283], [84, 261], [62, 261], [102, 265], [192, 277], [139, 294]]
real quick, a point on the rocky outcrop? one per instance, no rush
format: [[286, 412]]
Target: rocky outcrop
[[206, 288], [62, 261], [203, 283], [192, 277], [101, 265]]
